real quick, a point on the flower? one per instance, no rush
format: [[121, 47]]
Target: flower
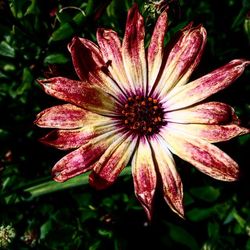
[[137, 104], [7, 235]]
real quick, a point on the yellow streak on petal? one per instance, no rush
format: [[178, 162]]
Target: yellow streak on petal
[[83, 158], [172, 185], [112, 162], [182, 59], [110, 46], [144, 175], [133, 51], [68, 116], [204, 156], [210, 133], [203, 87], [155, 49], [89, 97], [205, 113]]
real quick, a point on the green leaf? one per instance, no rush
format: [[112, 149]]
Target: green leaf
[[244, 139], [6, 50], [45, 229], [239, 20], [87, 214], [181, 236], [27, 75], [8, 67], [239, 219], [234, 215], [27, 80], [2, 75], [248, 245], [63, 32], [17, 6], [79, 18], [55, 59], [207, 193], [106, 233], [95, 246], [199, 214], [188, 200], [66, 30], [4, 134], [32, 9], [213, 230]]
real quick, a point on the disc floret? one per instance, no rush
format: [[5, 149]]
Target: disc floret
[[143, 115]]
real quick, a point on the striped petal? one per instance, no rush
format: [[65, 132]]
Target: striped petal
[[86, 57], [204, 156], [133, 52], [82, 159], [155, 49], [210, 133], [86, 96], [110, 46], [74, 138], [206, 113], [205, 86], [112, 162], [183, 58], [144, 175], [67, 139], [171, 181], [89, 64], [67, 116]]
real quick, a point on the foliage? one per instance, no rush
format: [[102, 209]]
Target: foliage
[[33, 44]]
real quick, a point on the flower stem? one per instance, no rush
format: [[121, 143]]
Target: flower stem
[[52, 186]]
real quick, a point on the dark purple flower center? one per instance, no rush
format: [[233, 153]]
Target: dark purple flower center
[[143, 115]]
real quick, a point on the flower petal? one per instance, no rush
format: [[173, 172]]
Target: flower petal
[[144, 175], [86, 96], [74, 138], [155, 49], [67, 139], [171, 181], [206, 113], [86, 57], [183, 58], [133, 52], [89, 64], [112, 162], [204, 156], [205, 86], [110, 46], [82, 159], [66, 116], [210, 133]]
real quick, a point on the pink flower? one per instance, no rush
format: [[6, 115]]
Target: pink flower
[[137, 104]]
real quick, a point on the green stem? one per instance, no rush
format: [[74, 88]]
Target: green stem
[[52, 186]]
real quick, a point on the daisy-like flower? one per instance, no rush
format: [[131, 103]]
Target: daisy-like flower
[[137, 104]]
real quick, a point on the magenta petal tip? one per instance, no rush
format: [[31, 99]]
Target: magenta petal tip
[[97, 181], [58, 177]]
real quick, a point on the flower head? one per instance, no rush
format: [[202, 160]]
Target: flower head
[[7, 234], [137, 104]]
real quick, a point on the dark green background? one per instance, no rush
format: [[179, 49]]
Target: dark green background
[[33, 40]]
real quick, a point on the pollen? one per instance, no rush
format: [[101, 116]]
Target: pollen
[[142, 115]]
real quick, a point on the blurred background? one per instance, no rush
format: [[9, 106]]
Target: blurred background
[[33, 44]]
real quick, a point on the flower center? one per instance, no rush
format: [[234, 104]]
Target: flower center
[[143, 115]]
